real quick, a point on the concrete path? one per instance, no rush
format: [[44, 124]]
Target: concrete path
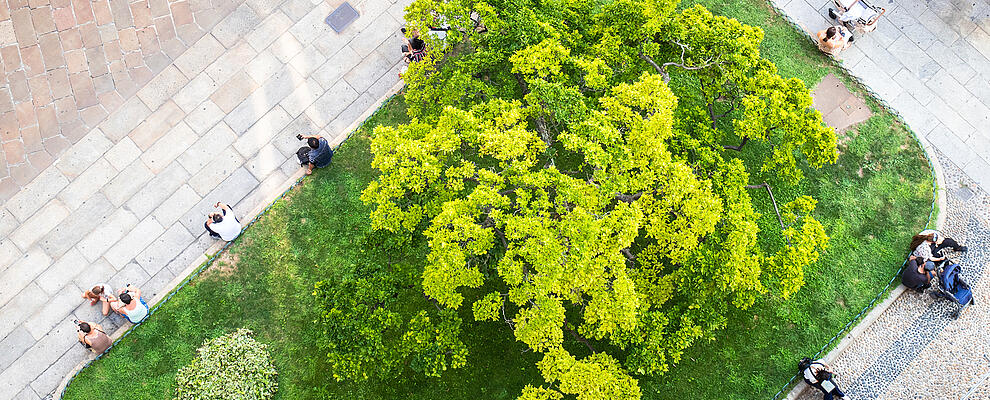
[[930, 61], [126, 203]]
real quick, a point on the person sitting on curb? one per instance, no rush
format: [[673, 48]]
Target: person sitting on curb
[[819, 375], [93, 337], [940, 242], [221, 225], [99, 293], [922, 253], [918, 275], [130, 305], [834, 39], [317, 153]]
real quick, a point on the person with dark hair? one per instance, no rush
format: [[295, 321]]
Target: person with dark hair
[[93, 337], [414, 49], [918, 275], [820, 376], [130, 305], [222, 225], [316, 154], [834, 39], [940, 242], [100, 292]]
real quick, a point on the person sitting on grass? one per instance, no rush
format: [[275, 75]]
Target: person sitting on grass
[[130, 305], [222, 225], [93, 337], [316, 154], [819, 375], [99, 293], [834, 39]]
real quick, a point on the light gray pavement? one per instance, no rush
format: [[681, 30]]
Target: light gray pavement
[[126, 203], [930, 61]]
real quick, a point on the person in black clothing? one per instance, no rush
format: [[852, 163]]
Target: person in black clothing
[[414, 49], [316, 154], [819, 375], [918, 275]]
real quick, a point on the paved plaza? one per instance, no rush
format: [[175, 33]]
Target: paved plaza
[[68, 64], [122, 122], [211, 117]]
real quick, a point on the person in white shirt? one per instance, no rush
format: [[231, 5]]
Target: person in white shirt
[[223, 225], [817, 374]]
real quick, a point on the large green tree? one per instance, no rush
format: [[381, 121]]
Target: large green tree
[[551, 165]]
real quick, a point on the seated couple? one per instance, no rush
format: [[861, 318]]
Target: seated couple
[[128, 302], [926, 251]]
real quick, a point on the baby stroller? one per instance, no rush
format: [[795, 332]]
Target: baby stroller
[[856, 15], [951, 286]]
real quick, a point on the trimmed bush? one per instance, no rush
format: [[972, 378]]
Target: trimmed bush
[[232, 366]]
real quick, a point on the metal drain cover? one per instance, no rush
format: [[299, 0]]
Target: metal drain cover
[[964, 193], [342, 17]]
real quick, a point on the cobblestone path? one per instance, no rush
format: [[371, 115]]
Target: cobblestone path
[[915, 349], [930, 61], [125, 203]]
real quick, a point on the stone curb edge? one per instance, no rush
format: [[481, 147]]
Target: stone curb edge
[[939, 200], [218, 246]]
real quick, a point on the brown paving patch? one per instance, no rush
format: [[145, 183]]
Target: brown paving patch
[[840, 108], [66, 64]]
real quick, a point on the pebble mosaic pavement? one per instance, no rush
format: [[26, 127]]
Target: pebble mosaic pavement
[[915, 349]]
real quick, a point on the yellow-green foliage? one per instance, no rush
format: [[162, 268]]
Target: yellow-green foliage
[[551, 162]]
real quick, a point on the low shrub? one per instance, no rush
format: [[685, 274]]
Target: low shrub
[[232, 366]]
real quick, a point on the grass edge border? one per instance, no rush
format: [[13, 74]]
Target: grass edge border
[[206, 259]]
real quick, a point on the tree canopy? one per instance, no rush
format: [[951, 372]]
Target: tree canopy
[[578, 163]]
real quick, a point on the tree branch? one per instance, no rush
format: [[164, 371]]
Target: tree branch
[[739, 147], [661, 71], [579, 338], [775, 208], [630, 257]]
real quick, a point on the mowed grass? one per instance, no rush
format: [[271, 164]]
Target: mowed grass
[[870, 201], [265, 283]]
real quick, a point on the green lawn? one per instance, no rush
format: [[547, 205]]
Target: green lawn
[[321, 229], [870, 201]]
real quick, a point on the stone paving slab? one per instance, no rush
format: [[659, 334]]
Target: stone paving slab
[[125, 201], [67, 65]]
